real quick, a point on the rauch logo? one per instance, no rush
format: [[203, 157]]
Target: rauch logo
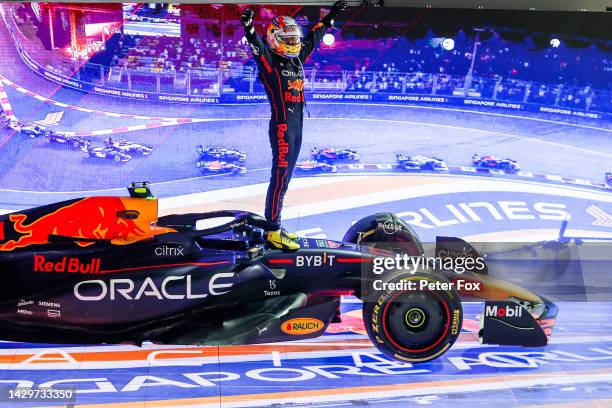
[[302, 325]]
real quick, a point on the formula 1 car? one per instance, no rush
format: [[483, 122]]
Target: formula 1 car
[[608, 179], [106, 153], [27, 129], [108, 270], [62, 138], [220, 167], [420, 162], [10, 124], [493, 162], [332, 155], [312, 166], [220, 153], [32, 130], [129, 147]]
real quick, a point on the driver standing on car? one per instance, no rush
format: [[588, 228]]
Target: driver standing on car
[[282, 74]]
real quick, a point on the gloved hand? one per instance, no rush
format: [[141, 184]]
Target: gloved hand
[[247, 18], [338, 6]]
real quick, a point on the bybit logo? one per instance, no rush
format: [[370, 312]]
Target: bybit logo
[[314, 260]]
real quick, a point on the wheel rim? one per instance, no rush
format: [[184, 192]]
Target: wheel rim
[[415, 318], [416, 321]]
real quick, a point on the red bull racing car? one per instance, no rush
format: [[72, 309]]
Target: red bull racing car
[[312, 167], [109, 270], [494, 162], [209, 153], [129, 147], [106, 152], [331, 155], [220, 167], [69, 140]]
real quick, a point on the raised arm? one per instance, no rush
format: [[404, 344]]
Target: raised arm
[[260, 52], [316, 33]]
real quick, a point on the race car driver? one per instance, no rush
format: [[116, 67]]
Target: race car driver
[[282, 74]]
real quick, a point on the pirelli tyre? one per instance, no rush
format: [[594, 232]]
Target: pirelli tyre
[[413, 325]]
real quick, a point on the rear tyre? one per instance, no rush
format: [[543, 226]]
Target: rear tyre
[[413, 325]]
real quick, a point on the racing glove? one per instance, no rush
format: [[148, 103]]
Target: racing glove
[[247, 21], [338, 6]]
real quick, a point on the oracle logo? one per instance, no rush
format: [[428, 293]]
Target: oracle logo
[[127, 289]]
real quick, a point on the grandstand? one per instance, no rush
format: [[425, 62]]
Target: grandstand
[[210, 57]]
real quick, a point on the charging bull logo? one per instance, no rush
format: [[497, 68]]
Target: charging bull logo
[[279, 21], [297, 84], [89, 218]]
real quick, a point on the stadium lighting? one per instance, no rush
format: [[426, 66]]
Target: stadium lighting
[[329, 39], [555, 43], [448, 44]]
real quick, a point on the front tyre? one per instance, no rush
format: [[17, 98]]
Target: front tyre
[[413, 325]]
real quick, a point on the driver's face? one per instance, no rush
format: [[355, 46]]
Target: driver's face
[[290, 35], [291, 40]]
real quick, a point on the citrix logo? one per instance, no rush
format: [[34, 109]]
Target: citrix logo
[[505, 311]]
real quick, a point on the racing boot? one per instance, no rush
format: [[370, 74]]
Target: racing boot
[[279, 240], [291, 235]]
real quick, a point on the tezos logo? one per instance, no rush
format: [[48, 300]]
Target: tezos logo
[[302, 325], [505, 311]]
